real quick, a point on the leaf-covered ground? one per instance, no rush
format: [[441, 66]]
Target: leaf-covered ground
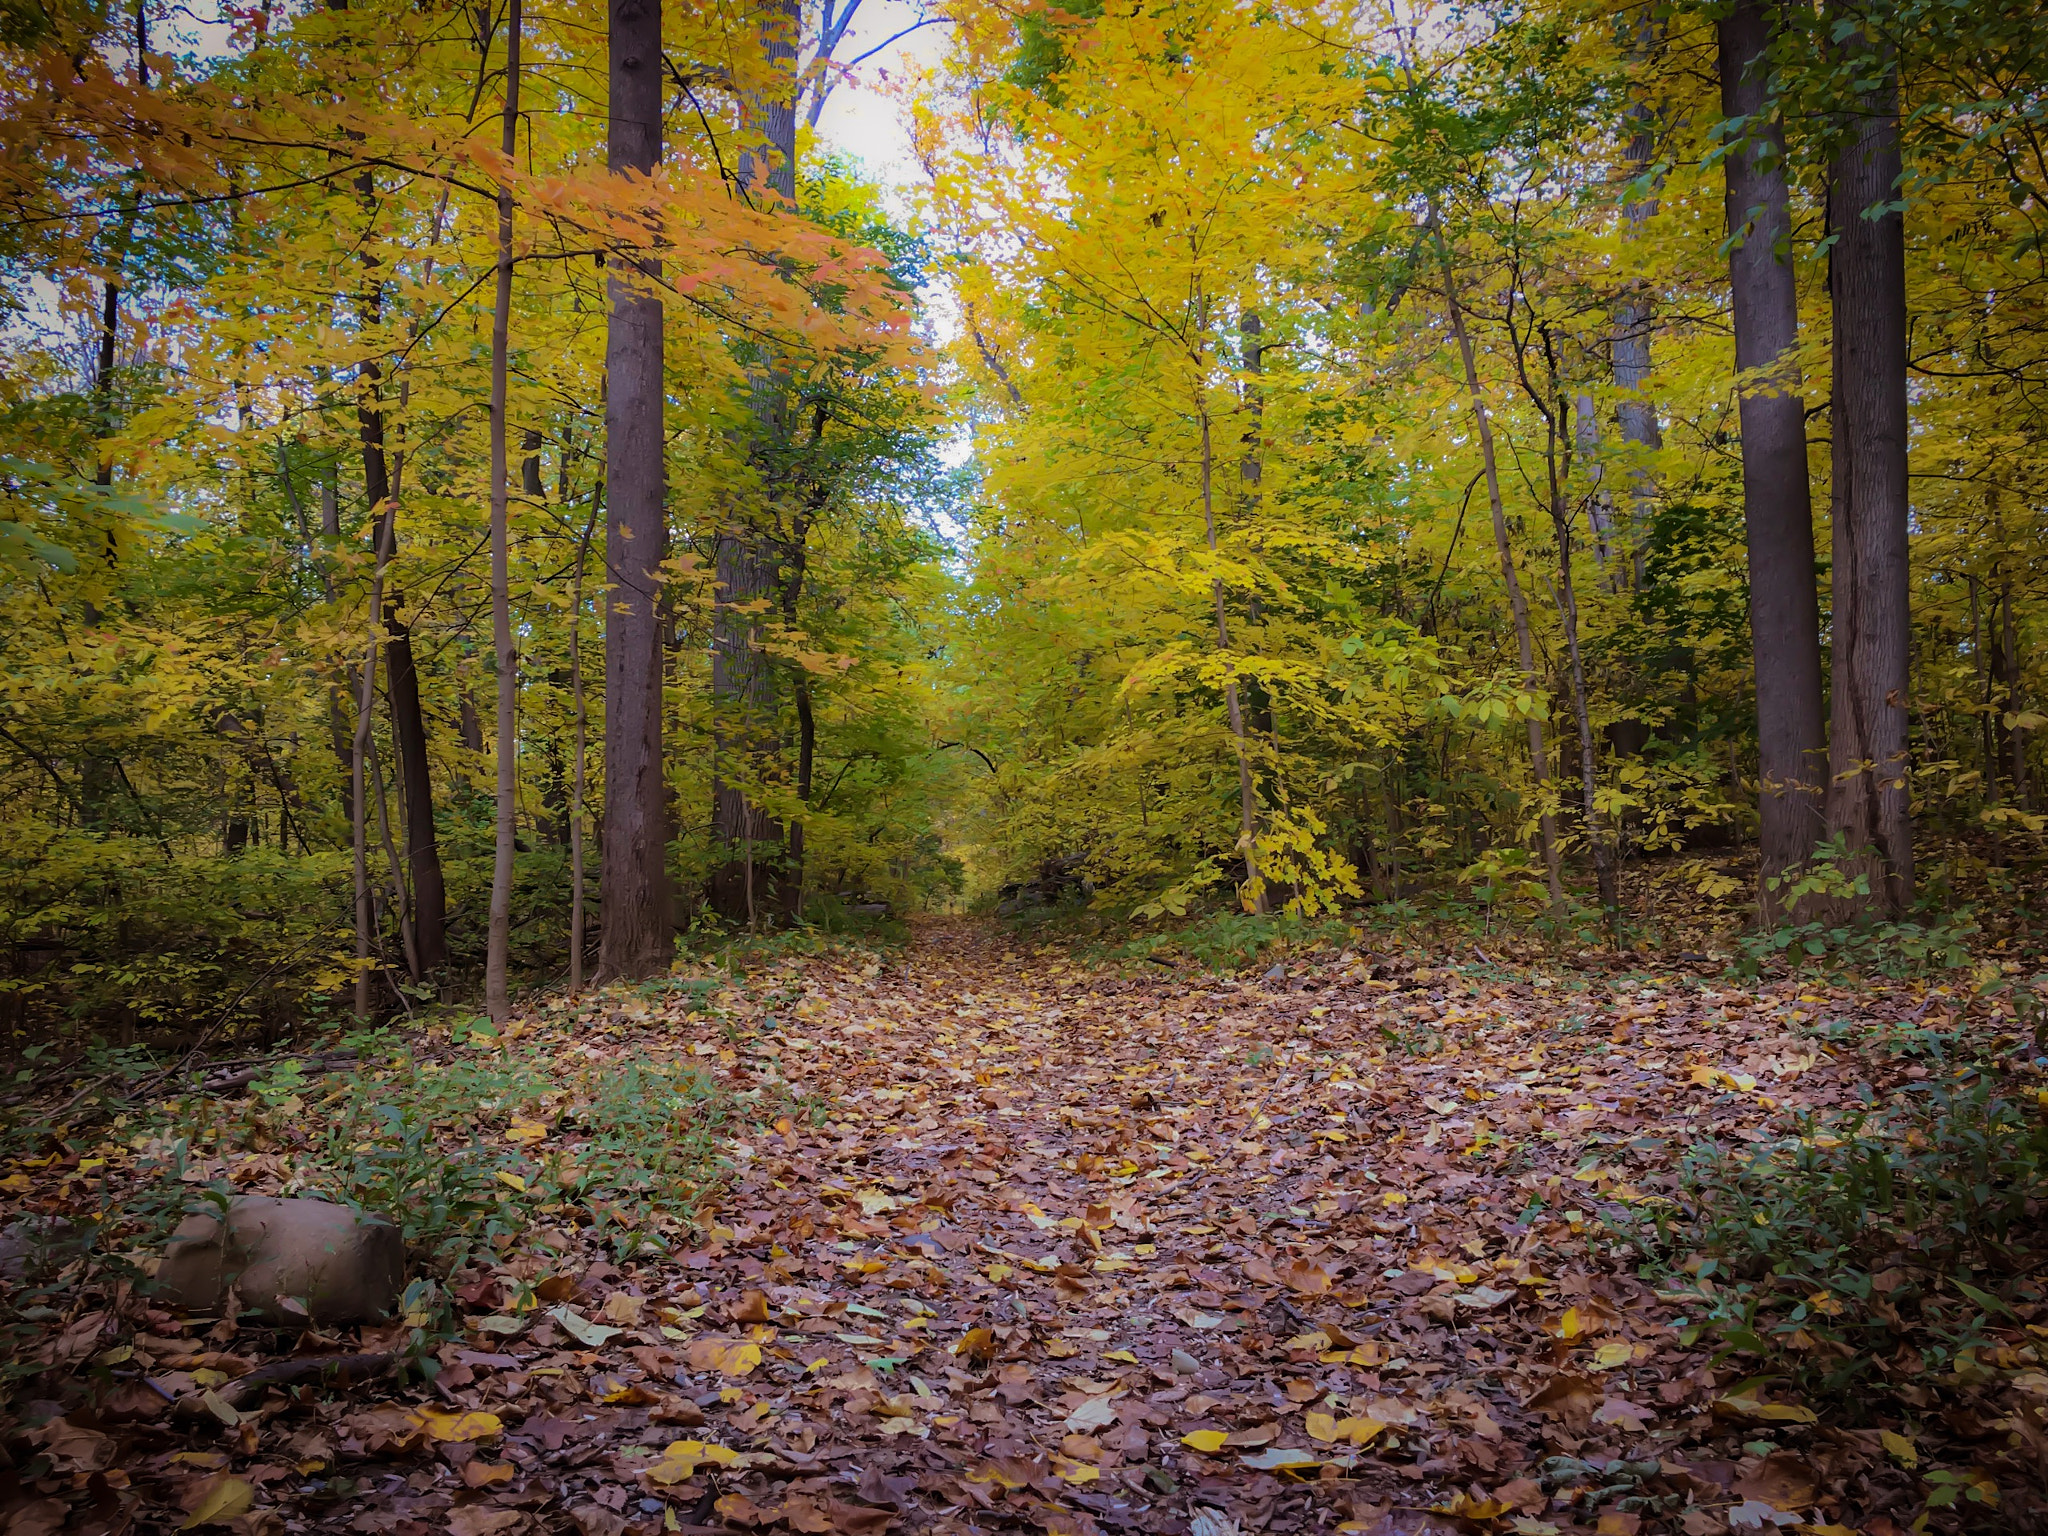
[[1016, 1243]]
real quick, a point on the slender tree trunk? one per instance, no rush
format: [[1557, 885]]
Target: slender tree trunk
[[1869, 804], [1251, 475], [1518, 604], [579, 785], [429, 901], [359, 759], [749, 741], [1254, 893], [1784, 605], [637, 925], [2015, 703], [497, 994], [1987, 752], [1606, 877], [1637, 415]]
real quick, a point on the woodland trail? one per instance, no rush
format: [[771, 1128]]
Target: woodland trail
[[1057, 1247]]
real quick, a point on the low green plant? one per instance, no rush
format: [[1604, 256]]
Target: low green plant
[[1230, 941], [1829, 1251]]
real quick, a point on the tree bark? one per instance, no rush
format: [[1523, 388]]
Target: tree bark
[[2015, 703], [429, 901], [580, 781], [637, 927], [1784, 605], [1869, 802], [359, 758], [497, 993]]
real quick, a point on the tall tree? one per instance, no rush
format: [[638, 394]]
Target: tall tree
[[637, 926], [1869, 800], [1777, 506], [497, 996]]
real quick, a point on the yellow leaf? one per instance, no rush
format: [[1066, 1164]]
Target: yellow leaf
[[729, 1357], [512, 1181], [526, 1131], [1572, 1324], [1124, 1356], [1207, 1441], [1903, 1450], [680, 1461], [1320, 1426], [1613, 1354], [229, 1499], [1359, 1431], [456, 1427], [1075, 1472]]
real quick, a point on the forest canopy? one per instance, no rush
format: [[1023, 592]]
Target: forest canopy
[[489, 494]]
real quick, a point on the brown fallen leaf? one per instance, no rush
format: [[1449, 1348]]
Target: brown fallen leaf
[[752, 1307], [74, 1448], [1783, 1479], [483, 1474], [38, 1517], [738, 1509], [484, 1520], [1568, 1398], [1306, 1277]]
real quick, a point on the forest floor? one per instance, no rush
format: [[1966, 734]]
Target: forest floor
[[1016, 1242]]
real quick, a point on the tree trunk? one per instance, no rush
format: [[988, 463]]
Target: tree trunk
[[1251, 474], [359, 758], [1254, 894], [1637, 416], [1606, 877], [756, 874], [579, 783], [1518, 604], [429, 901], [2015, 704], [1784, 606], [1869, 803], [497, 993], [637, 928]]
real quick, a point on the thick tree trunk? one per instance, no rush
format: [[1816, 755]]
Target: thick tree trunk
[[497, 993], [1784, 606], [429, 903], [1869, 802], [757, 876], [637, 927]]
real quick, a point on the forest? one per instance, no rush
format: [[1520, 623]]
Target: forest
[[482, 506], [1278, 768]]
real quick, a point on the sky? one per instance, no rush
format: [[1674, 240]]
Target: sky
[[863, 117]]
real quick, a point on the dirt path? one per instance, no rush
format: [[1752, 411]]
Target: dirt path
[[1315, 1252]]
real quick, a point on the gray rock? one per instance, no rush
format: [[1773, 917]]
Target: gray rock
[[291, 1262]]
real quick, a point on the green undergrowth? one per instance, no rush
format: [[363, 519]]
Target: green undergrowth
[[1224, 942], [467, 1152], [1872, 1258]]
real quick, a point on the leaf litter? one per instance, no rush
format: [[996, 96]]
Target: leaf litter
[[1015, 1243]]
